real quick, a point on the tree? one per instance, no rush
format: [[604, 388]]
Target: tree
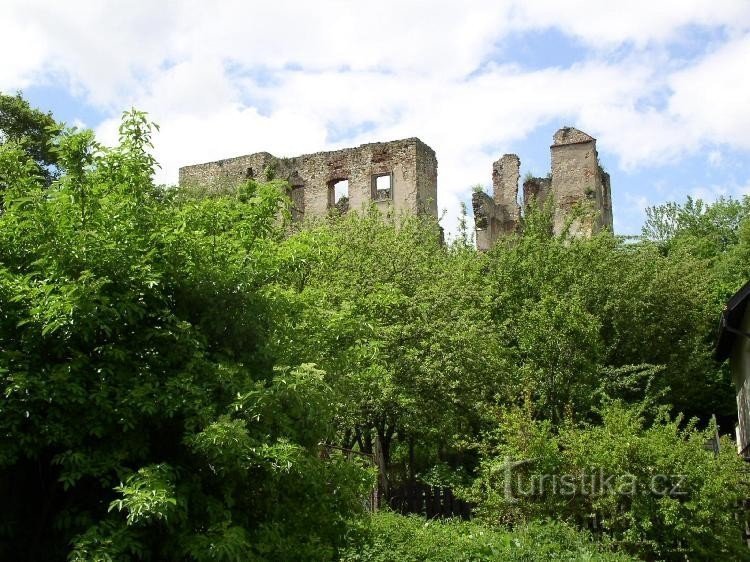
[[32, 129], [140, 416], [704, 229], [632, 305], [653, 486], [397, 321]]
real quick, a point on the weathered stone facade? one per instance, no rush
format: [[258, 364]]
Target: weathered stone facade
[[498, 215], [579, 187], [398, 176], [401, 177]]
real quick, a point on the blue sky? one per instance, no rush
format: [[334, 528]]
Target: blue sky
[[663, 86]]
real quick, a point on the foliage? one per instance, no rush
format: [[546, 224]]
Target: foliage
[[171, 361], [32, 129], [148, 494], [396, 321], [391, 537], [716, 232], [422, 342], [572, 310], [141, 417], [709, 228], [654, 487]]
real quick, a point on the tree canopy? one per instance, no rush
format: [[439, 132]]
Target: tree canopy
[[32, 129], [174, 364]]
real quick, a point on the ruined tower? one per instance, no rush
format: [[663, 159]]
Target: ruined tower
[[579, 180], [398, 176], [498, 215], [577, 184]]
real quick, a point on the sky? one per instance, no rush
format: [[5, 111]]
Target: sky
[[663, 85]]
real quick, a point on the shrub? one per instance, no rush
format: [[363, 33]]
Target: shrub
[[654, 487], [140, 416], [391, 537]]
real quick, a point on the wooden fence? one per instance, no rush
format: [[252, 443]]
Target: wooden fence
[[430, 501]]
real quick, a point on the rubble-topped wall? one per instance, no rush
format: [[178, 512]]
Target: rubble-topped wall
[[398, 176], [505, 174], [536, 191], [578, 186], [487, 219], [498, 215]]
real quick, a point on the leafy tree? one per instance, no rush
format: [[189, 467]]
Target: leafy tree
[[705, 229], [141, 417], [654, 487], [31, 128], [395, 320], [422, 342], [716, 232], [570, 310]]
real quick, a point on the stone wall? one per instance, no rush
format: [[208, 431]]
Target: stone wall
[[408, 167], [401, 177], [578, 186], [498, 215], [505, 174], [578, 182], [487, 219]]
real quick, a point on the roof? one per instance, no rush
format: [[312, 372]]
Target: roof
[[731, 320]]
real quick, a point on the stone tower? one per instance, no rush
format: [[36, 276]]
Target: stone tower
[[577, 184], [579, 180]]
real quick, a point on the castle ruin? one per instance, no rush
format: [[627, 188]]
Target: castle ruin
[[578, 185], [401, 177]]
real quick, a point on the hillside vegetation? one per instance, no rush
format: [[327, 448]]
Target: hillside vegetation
[[171, 363]]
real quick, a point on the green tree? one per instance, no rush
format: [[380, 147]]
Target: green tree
[[32, 129], [653, 486], [715, 232], [704, 229], [607, 303], [141, 417], [397, 321]]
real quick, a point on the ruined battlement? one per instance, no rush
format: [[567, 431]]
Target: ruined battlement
[[401, 177], [577, 184], [398, 176]]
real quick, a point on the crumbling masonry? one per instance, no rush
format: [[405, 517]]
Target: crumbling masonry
[[579, 187], [401, 177], [398, 176]]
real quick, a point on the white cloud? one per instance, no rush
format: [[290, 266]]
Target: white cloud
[[20, 58], [609, 24], [715, 158], [712, 97], [236, 77], [709, 192]]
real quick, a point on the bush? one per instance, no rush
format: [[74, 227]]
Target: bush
[[654, 487], [391, 537], [141, 417]]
